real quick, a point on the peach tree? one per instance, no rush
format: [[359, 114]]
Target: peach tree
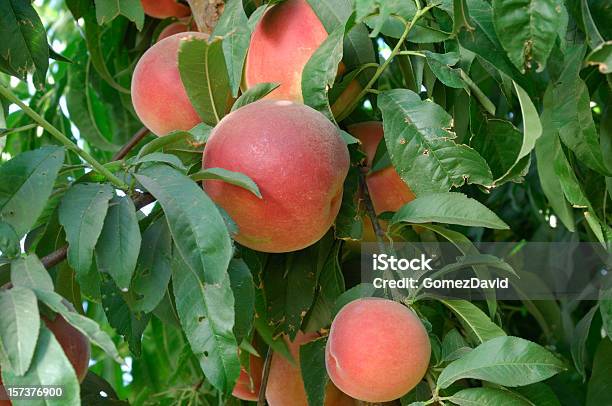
[[187, 189]]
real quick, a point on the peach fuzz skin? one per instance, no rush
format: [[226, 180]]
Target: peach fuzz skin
[[377, 350], [298, 160], [249, 382], [158, 95], [285, 385], [73, 342], [165, 8], [283, 41]]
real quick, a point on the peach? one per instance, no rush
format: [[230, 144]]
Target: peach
[[158, 95], [285, 384], [249, 382], [377, 350], [165, 8], [298, 160], [387, 190], [283, 41]]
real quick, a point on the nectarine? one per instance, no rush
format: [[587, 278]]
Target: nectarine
[[165, 8], [285, 384], [298, 160], [283, 41], [249, 382], [158, 95], [377, 350]]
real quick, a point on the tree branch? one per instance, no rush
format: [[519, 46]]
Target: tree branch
[[261, 401], [206, 13], [136, 138]]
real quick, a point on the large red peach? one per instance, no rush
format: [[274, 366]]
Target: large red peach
[[283, 41], [165, 8], [377, 350], [249, 382], [285, 384], [158, 95], [387, 190], [299, 161]]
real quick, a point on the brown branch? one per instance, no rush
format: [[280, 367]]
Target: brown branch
[[261, 400], [57, 256], [206, 13], [136, 138]]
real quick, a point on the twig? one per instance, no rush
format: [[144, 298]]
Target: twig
[[261, 400], [8, 94], [57, 256], [136, 138], [367, 200]]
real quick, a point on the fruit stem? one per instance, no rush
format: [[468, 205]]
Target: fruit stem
[[261, 400], [381, 68], [8, 94]]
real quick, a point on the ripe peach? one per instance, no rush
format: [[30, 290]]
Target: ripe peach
[[387, 190], [285, 384], [158, 95], [283, 41], [249, 382], [298, 160], [377, 351], [165, 8]]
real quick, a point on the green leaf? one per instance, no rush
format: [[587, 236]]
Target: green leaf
[[508, 361], [321, 69], [356, 292], [50, 367], [594, 38], [421, 145], [234, 178], [349, 223], [527, 29], [204, 75], [204, 298], [440, 65], [19, 328], [233, 28], [532, 127], [206, 312], [87, 326], [538, 394], [571, 114], [474, 320], [253, 94], [153, 270], [169, 159], [314, 373], [449, 208], [461, 17], [119, 243], [29, 272], [108, 10], [243, 288], [488, 397], [581, 333], [598, 391], [24, 48], [27, 182], [601, 57], [605, 308], [9, 241], [453, 346], [81, 213], [198, 134]]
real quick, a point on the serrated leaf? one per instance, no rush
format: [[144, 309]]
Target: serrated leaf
[[473, 319], [29, 272], [50, 367], [527, 29], [253, 94], [81, 213], [422, 148], [27, 182], [153, 270], [233, 28], [24, 48], [119, 243], [204, 75], [108, 10], [448, 208], [235, 178], [508, 361], [87, 326], [19, 328]]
